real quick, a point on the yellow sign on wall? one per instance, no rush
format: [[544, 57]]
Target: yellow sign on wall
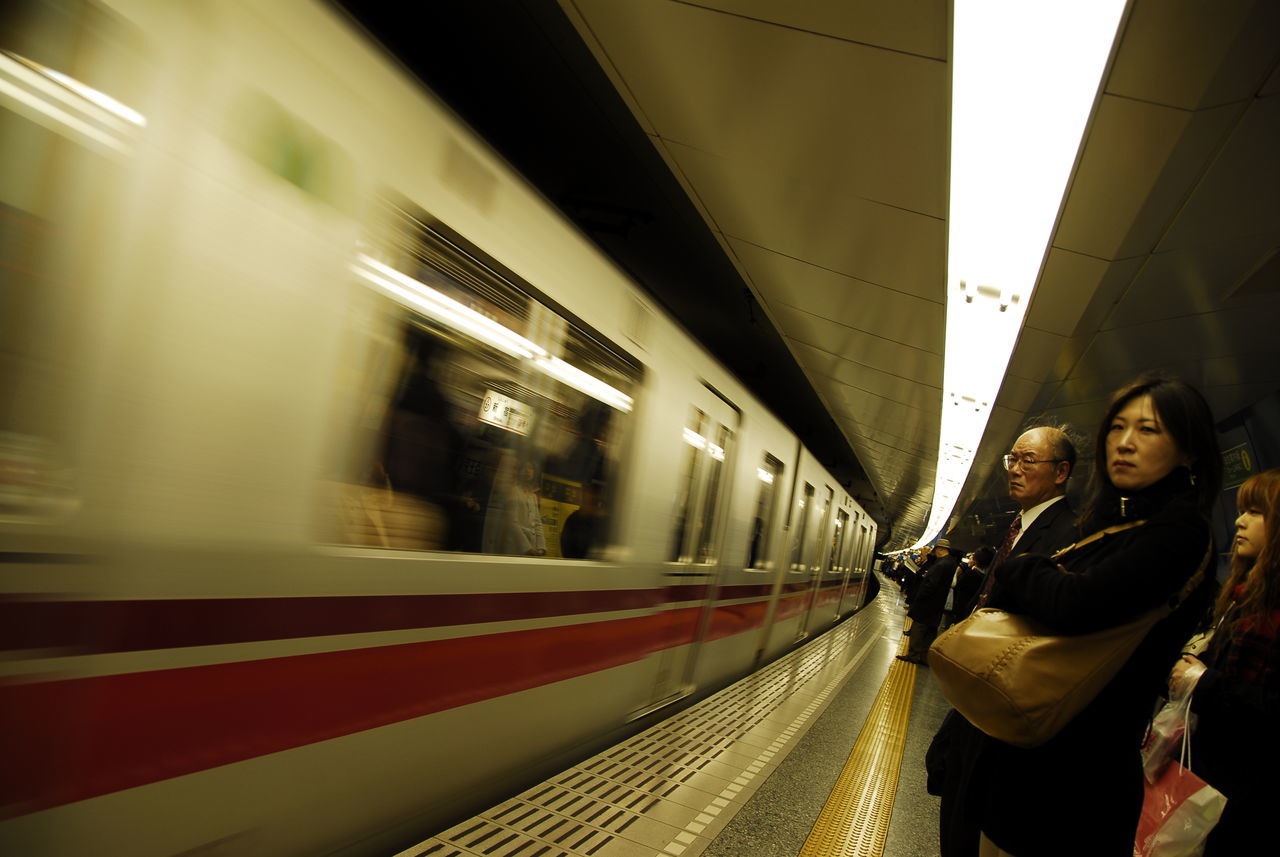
[[1237, 465]]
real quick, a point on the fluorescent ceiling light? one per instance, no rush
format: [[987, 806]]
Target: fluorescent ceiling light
[[696, 440], [434, 304], [584, 383], [71, 104], [99, 98], [1024, 79], [407, 291]]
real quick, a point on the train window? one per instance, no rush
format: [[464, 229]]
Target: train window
[[487, 421], [864, 548], [694, 444], [837, 541], [716, 453], [69, 73], [823, 521], [854, 555], [803, 505], [768, 474]]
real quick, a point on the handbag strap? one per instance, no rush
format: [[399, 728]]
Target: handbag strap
[[1188, 587], [1194, 580], [1118, 528]]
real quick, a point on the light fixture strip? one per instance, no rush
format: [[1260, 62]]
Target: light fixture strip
[[43, 81], [584, 383], [417, 295], [1025, 77], [420, 302], [62, 118]]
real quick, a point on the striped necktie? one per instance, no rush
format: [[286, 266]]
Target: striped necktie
[[1001, 556]]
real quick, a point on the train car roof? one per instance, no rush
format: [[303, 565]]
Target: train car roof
[[776, 175]]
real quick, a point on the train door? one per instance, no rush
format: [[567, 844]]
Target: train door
[[860, 564], [838, 564], [813, 557], [855, 589], [693, 556]]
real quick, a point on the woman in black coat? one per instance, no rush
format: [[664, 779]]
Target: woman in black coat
[[1156, 460]]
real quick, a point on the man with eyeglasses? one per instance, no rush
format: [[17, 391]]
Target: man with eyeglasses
[[1039, 465]]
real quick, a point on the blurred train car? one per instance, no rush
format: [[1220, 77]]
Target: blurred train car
[[343, 486]]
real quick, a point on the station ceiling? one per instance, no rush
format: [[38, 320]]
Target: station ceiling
[[776, 174]]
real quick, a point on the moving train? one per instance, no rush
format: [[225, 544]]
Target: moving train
[[344, 487]]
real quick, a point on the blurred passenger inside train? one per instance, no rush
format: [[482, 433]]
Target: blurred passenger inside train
[[584, 459], [1156, 478], [513, 521], [929, 600], [583, 534], [757, 539], [406, 498], [1235, 684], [582, 470], [1039, 464]]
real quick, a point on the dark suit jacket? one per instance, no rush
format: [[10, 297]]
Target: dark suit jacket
[[966, 588], [931, 597], [1052, 530], [1055, 528]]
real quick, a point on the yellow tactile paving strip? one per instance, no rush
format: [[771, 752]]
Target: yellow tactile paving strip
[[855, 820]]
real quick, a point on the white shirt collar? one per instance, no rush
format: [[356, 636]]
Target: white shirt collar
[[1029, 516]]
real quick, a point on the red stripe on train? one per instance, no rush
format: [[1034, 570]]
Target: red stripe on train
[[70, 740], [64, 741]]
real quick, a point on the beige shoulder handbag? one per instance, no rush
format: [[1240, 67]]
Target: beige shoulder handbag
[[1013, 679]]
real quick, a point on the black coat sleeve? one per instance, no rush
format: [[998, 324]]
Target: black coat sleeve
[[1106, 583], [1251, 706]]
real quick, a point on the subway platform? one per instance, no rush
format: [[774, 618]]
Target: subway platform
[[820, 753]]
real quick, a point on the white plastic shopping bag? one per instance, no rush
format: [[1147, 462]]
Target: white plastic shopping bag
[[1178, 809]]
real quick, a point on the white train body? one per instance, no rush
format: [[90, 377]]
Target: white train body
[[230, 628]]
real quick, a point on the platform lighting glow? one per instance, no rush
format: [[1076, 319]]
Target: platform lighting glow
[[765, 476], [1024, 79]]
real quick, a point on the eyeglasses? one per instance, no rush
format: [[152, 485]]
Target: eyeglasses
[[1027, 461]]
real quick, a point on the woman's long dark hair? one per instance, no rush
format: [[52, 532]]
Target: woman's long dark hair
[[1259, 576], [1186, 416]]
